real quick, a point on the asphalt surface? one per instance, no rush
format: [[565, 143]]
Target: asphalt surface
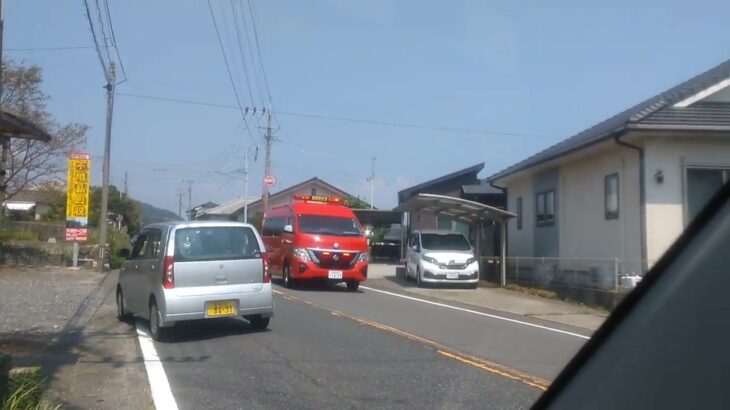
[[328, 348]]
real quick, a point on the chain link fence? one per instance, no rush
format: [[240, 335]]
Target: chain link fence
[[606, 274]]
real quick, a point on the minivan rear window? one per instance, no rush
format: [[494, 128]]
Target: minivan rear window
[[444, 242], [216, 243], [328, 225]]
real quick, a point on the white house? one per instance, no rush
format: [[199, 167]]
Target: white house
[[627, 187]]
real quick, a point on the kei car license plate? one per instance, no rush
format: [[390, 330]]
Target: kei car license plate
[[221, 308], [452, 275], [335, 274]]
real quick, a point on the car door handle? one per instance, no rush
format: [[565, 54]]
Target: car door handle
[[287, 241]]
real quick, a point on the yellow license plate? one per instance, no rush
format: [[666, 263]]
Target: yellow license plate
[[224, 308]]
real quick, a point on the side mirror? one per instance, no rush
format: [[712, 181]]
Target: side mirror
[[288, 229], [124, 253], [415, 248]]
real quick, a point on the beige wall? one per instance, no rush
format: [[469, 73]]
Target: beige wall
[[665, 211], [521, 242], [584, 230]]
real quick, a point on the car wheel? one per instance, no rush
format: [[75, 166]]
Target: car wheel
[[288, 281], [473, 285], [419, 283], [158, 333], [353, 285], [122, 313], [258, 322]]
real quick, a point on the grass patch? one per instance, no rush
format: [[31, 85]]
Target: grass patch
[[547, 294], [25, 390], [10, 234]]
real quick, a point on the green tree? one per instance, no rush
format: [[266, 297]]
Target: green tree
[[118, 204], [32, 162], [356, 203]]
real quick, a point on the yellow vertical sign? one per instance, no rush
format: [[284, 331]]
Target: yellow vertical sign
[[77, 197]]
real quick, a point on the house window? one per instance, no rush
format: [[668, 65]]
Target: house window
[[545, 204], [611, 196], [519, 213]]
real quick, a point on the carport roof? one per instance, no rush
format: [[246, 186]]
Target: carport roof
[[463, 209]]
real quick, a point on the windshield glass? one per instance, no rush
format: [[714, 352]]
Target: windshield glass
[[328, 225], [215, 243], [444, 242]]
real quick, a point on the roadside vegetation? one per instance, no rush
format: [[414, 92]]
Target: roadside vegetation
[[25, 391]]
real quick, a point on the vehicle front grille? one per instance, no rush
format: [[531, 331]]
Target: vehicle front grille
[[334, 260]]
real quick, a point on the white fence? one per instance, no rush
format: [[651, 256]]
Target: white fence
[[588, 273]]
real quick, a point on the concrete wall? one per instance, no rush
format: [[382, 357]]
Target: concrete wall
[[666, 217], [546, 238], [521, 242], [584, 230]]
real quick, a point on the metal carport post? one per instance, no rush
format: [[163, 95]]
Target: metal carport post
[[464, 210]]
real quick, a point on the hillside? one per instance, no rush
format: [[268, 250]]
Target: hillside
[[152, 214]]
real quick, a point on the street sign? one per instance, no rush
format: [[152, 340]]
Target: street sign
[[77, 197], [269, 181]]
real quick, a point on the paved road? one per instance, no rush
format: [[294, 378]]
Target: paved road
[[327, 348]]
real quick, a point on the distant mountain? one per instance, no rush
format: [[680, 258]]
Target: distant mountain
[[152, 214]]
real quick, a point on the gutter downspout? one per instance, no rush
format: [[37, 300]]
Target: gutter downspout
[[642, 197]]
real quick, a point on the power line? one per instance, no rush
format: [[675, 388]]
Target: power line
[[251, 53], [103, 32], [228, 68], [258, 49], [49, 48], [114, 38], [345, 119], [240, 48], [96, 42]]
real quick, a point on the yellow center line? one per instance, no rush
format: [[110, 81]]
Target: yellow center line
[[488, 366]]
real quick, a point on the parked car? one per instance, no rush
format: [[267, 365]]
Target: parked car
[[195, 270], [441, 256]]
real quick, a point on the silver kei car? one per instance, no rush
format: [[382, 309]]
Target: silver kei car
[[195, 270], [440, 256]]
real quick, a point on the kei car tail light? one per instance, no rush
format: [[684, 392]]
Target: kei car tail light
[[267, 275], [168, 274]]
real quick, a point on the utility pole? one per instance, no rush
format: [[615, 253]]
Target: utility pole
[[190, 198], [371, 179], [267, 165], [4, 141], [180, 196], [111, 80], [246, 153]]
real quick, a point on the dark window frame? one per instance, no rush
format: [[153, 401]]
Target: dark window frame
[[519, 212], [541, 198], [611, 214]]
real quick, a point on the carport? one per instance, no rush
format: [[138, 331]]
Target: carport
[[464, 210]]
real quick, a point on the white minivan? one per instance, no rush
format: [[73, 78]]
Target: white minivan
[[440, 256]]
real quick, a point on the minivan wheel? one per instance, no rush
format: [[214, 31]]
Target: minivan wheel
[[122, 314], [158, 333], [353, 285], [419, 283], [288, 281], [258, 322]]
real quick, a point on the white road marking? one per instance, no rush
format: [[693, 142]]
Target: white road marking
[[476, 312], [159, 385]]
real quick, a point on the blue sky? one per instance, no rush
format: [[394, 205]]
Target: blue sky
[[545, 70]]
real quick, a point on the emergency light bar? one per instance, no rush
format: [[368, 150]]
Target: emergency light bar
[[318, 198]]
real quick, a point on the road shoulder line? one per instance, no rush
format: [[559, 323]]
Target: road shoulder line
[[475, 312], [159, 385]]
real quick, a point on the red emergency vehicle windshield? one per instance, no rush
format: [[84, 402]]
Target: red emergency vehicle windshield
[[328, 225]]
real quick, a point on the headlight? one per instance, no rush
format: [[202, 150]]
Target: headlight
[[302, 254], [363, 257], [430, 259], [470, 261]]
